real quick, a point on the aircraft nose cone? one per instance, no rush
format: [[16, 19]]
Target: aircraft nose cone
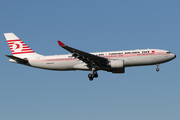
[[174, 56]]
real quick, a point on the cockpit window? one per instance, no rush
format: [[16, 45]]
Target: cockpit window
[[168, 52]]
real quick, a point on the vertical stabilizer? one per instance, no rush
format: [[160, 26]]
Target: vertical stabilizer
[[18, 47]]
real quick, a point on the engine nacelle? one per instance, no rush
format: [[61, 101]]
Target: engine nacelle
[[117, 66], [115, 63]]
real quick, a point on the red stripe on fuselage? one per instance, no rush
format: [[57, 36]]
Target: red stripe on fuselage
[[105, 56]]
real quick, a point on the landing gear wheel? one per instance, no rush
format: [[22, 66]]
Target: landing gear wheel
[[90, 77], [157, 69], [94, 72], [95, 75]]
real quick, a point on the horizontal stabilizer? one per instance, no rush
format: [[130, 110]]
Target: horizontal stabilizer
[[19, 60]]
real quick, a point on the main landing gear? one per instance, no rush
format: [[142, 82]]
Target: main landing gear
[[157, 69], [93, 75]]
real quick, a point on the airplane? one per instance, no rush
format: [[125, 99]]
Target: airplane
[[114, 61]]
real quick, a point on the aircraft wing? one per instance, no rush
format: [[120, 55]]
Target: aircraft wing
[[88, 58]]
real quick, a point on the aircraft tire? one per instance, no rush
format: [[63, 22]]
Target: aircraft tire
[[95, 75], [89, 75], [90, 78], [94, 72]]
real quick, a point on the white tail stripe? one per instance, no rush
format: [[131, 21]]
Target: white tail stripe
[[10, 36]]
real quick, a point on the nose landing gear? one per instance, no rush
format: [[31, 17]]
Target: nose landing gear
[[157, 69]]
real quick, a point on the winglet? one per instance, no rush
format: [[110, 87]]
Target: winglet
[[61, 44]]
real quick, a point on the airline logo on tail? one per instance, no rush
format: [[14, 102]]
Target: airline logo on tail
[[16, 45]]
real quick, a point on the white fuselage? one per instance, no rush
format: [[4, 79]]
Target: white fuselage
[[114, 61], [130, 57]]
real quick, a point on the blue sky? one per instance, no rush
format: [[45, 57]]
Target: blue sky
[[92, 26]]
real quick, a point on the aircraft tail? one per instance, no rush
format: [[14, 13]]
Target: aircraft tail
[[18, 47]]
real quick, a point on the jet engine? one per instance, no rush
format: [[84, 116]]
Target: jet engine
[[117, 66], [115, 63]]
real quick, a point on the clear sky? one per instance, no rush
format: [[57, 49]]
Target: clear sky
[[93, 26]]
